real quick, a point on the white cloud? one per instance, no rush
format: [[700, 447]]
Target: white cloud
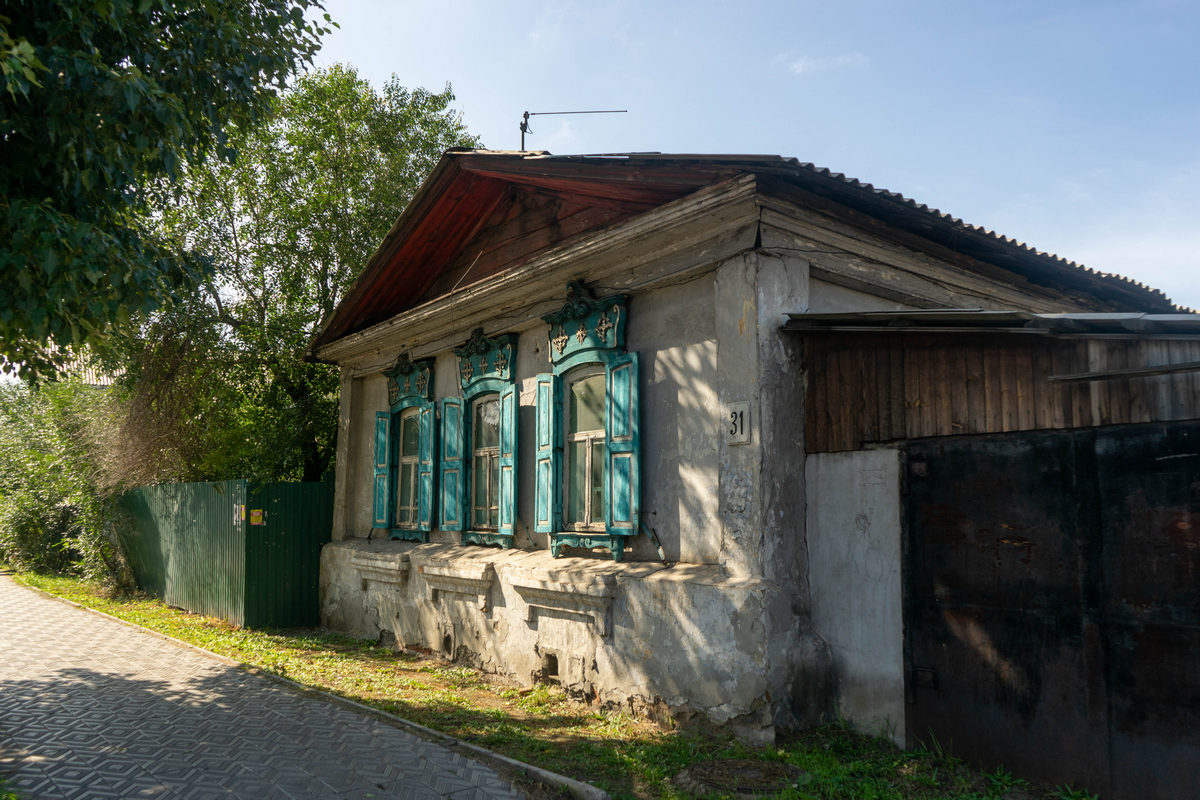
[[806, 65]]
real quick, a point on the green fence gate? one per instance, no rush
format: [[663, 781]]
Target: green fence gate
[[246, 552]]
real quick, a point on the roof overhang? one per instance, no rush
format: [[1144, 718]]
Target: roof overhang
[[978, 320], [453, 233]]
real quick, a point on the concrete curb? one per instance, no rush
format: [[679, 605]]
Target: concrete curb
[[577, 789]]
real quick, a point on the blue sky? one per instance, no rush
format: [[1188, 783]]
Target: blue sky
[[1071, 126]]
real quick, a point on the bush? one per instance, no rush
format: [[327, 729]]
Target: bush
[[52, 513]]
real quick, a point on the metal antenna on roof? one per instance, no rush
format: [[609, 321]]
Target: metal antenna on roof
[[525, 122]]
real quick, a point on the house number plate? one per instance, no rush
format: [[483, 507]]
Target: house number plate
[[737, 423]]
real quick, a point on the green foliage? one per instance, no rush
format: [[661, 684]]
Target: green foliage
[[104, 103], [51, 512], [219, 385]]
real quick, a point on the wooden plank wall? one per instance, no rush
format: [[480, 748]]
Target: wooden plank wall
[[868, 387]]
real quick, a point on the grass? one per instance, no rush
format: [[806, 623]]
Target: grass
[[628, 757]]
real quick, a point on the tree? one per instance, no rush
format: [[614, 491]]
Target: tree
[[104, 102], [288, 227]]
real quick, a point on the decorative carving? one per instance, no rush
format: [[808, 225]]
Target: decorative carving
[[597, 325], [561, 340], [408, 378], [580, 303], [408, 535], [603, 326], [614, 543], [505, 540], [481, 358]]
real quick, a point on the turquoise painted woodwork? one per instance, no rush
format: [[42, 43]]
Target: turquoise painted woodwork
[[482, 359], [509, 403], [452, 471], [504, 540], [409, 381], [585, 330], [381, 495], [615, 544], [622, 445], [485, 366], [548, 455], [425, 464]]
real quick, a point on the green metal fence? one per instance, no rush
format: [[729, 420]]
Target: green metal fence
[[246, 552]]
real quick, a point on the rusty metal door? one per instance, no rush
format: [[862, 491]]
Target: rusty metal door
[[1052, 607]]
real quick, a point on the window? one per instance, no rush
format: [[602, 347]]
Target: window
[[479, 443], [485, 463], [584, 478], [587, 476], [402, 502], [407, 449]]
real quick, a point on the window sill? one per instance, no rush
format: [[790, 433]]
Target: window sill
[[408, 534], [504, 540], [614, 543]]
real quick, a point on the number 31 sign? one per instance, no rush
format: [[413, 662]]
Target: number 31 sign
[[737, 423]]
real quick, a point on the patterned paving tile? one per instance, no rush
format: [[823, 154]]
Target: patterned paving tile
[[90, 708]]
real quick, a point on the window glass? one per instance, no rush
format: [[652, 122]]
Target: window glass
[[485, 463], [577, 481], [487, 422], [587, 404], [585, 453], [408, 447]]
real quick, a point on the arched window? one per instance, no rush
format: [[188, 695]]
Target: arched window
[[479, 443], [485, 463], [587, 477], [404, 453]]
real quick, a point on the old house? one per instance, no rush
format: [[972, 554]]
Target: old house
[[649, 426]]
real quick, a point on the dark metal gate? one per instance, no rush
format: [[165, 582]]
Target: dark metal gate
[[1052, 604]]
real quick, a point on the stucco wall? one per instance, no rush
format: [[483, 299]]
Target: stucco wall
[[672, 330], [680, 642], [854, 553]]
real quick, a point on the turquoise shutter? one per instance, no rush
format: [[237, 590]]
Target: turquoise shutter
[[425, 455], [547, 512], [452, 473], [508, 459], [621, 476], [379, 505]]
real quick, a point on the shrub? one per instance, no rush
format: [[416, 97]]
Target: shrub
[[52, 514]]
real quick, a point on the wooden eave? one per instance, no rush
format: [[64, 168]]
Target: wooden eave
[[483, 213], [672, 243], [451, 225]]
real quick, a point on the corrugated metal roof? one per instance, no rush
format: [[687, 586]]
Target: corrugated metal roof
[[952, 320], [467, 185]]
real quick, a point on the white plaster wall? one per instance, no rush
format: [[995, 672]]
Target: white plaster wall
[[854, 577], [672, 329], [674, 332], [370, 395]]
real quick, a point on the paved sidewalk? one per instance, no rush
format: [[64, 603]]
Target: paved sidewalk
[[91, 708]]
